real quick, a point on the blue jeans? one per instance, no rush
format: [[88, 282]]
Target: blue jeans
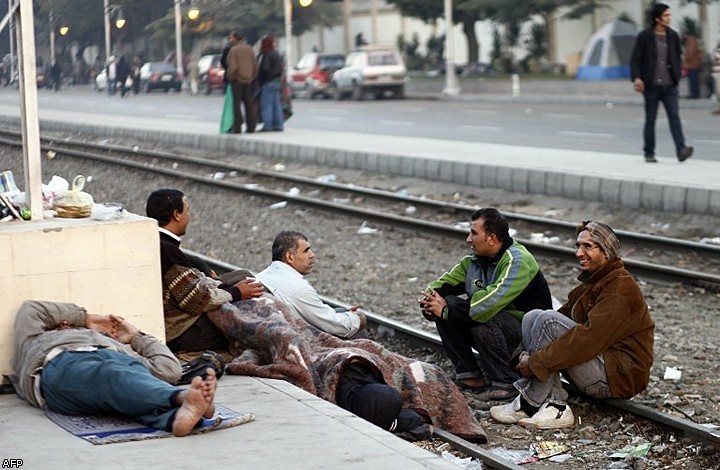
[[272, 113], [106, 381], [539, 329], [668, 95], [494, 341]]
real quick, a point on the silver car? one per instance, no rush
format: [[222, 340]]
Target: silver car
[[371, 69]]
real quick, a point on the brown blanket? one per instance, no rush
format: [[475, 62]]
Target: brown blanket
[[268, 340]]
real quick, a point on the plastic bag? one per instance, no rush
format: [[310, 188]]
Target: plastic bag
[[75, 203], [228, 116]]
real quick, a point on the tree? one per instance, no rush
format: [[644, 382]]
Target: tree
[[465, 13]]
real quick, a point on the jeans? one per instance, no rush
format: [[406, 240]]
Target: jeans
[[494, 341], [272, 113], [539, 329], [693, 76], [668, 95], [107, 381]]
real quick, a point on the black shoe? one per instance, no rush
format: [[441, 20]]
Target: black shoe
[[685, 153], [424, 432], [650, 159]]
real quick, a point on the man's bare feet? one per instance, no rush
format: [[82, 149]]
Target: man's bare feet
[[196, 401], [209, 386]]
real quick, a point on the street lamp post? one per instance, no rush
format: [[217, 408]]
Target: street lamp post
[[178, 40], [288, 34], [452, 87], [119, 23]]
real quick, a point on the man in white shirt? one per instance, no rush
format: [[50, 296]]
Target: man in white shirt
[[292, 258]]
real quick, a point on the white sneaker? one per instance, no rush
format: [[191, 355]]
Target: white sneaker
[[549, 417], [509, 413]]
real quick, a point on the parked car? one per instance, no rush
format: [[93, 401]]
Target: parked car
[[376, 69], [311, 76], [100, 83], [159, 76], [212, 74]]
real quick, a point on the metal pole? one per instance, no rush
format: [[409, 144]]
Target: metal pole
[[52, 38], [288, 35], [452, 87], [373, 22], [29, 109], [106, 10], [11, 31], [178, 40]]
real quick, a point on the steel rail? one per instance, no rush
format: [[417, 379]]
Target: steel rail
[[388, 327], [640, 268], [633, 237]]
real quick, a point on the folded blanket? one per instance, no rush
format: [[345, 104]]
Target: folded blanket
[[268, 340]]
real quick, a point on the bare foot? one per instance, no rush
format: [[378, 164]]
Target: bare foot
[[209, 386], [195, 404]]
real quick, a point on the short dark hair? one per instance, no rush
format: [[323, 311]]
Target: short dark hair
[[237, 35], [161, 205], [284, 242], [656, 12], [495, 222]]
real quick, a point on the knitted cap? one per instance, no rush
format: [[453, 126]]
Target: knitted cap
[[603, 235]]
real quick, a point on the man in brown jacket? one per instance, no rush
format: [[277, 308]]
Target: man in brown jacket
[[242, 68], [601, 339], [692, 63]]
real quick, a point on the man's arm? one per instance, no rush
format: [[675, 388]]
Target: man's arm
[[193, 292], [309, 304], [36, 316]]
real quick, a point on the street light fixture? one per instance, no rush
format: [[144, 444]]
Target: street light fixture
[[119, 22], [193, 12]]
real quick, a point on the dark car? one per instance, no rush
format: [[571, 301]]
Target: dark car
[[159, 76], [212, 74], [311, 76]]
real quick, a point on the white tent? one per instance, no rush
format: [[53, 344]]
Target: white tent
[[607, 52]]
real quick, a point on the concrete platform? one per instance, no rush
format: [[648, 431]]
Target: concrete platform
[[292, 429]]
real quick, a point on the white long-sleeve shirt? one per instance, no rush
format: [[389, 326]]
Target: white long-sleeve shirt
[[291, 288]]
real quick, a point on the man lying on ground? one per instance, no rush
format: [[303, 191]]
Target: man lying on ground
[[79, 363]]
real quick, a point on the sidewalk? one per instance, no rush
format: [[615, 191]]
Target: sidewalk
[[292, 429]]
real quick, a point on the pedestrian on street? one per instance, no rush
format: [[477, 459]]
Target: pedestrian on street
[[692, 63], [716, 73], [123, 72], [111, 75], [656, 67], [242, 69], [193, 76], [135, 74], [270, 81]]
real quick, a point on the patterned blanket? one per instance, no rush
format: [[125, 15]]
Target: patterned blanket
[[268, 340]]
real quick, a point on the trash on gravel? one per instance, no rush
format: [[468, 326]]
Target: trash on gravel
[[546, 449], [560, 458], [50, 154], [462, 225], [218, 176], [278, 167], [341, 200], [410, 210], [293, 191], [710, 241], [467, 463], [278, 205], [672, 373], [516, 456], [640, 450], [412, 279], [326, 178], [365, 230]]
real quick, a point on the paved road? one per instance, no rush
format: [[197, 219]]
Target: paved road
[[540, 123]]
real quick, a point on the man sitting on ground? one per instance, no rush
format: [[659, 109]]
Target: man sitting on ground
[[480, 302], [81, 363], [189, 293], [293, 258], [601, 339]]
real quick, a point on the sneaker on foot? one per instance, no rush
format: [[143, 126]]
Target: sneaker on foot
[[685, 153], [550, 417], [509, 413], [650, 159]]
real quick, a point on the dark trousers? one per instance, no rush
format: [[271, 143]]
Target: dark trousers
[[494, 341], [694, 82], [201, 336], [106, 381], [362, 392], [668, 95], [243, 98]]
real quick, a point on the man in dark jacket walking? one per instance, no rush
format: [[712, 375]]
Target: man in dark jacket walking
[[656, 68]]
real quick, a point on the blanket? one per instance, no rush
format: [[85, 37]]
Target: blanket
[[268, 340]]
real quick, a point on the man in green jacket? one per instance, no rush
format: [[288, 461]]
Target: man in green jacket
[[480, 302], [601, 339]]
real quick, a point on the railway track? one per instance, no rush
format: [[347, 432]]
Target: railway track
[[382, 327], [650, 256]]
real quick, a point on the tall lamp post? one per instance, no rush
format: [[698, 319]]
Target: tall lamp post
[[288, 29], [193, 13], [119, 23], [452, 87]]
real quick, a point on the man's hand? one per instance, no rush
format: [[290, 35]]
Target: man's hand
[[523, 367], [639, 85], [432, 303], [125, 330], [250, 288], [102, 324]]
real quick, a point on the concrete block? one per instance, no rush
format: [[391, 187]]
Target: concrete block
[[536, 182], [489, 176], [610, 191], [651, 196], [714, 208], [431, 169], [674, 199], [630, 193], [519, 179], [106, 267], [446, 172], [553, 183], [572, 186]]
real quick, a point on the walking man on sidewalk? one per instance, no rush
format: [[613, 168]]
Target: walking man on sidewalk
[[656, 67]]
